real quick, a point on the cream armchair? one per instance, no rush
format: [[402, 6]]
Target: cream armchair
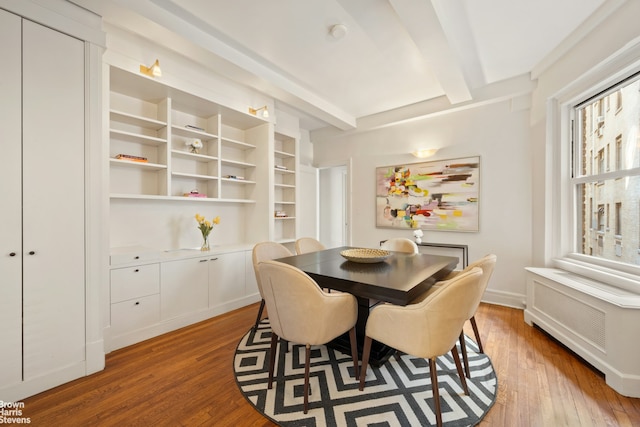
[[265, 251], [301, 312], [400, 244], [308, 244], [427, 329]]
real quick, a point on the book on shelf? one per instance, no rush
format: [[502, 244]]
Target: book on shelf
[[240, 178], [131, 158], [281, 167], [280, 214], [194, 128]]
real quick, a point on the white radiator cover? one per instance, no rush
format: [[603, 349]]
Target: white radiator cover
[[596, 321]]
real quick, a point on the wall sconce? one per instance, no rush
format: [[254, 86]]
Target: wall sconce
[[254, 111], [423, 154], [152, 71]]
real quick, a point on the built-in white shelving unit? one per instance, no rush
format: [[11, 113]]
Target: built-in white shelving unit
[[151, 127]]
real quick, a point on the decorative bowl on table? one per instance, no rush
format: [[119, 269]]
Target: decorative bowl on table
[[365, 256]]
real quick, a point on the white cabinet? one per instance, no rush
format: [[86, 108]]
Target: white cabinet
[[226, 278], [156, 292], [184, 287], [42, 244]]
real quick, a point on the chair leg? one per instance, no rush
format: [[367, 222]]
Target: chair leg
[[365, 360], [272, 357], [354, 351], [435, 391], [463, 380], [477, 334], [465, 357], [307, 362], [255, 327]]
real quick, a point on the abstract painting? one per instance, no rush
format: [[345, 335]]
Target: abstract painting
[[439, 195]]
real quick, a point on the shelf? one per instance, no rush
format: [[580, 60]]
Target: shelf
[[192, 133], [284, 171], [132, 119], [237, 181], [284, 203], [178, 198], [284, 217], [193, 175], [283, 154], [237, 164], [137, 165], [192, 156], [136, 137], [284, 186], [236, 144]]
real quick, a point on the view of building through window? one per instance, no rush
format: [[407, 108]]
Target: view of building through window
[[606, 174]]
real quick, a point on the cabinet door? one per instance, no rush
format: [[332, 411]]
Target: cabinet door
[[11, 205], [183, 287], [226, 278], [53, 200]]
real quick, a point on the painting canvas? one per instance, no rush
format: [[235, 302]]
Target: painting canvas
[[438, 195]]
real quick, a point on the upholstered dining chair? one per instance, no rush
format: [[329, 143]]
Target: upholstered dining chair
[[487, 263], [400, 244], [308, 244], [301, 312], [427, 329], [266, 251]]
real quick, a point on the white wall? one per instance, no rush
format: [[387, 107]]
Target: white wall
[[500, 137], [606, 38]]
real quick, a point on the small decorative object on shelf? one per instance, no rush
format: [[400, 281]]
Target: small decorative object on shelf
[[205, 226], [194, 193], [418, 235], [194, 145], [280, 214], [131, 158], [239, 178], [281, 167]]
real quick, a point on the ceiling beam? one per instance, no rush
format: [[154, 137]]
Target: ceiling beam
[[423, 25]]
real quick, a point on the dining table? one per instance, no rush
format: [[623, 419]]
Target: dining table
[[399, 278]]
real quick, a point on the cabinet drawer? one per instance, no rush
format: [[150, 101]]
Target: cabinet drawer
[[136, 254], [134, 282], [135, 314]]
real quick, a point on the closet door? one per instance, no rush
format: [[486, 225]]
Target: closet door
[[10, 201], [53, 200]]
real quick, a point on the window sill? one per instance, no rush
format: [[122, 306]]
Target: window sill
[[626, 277]]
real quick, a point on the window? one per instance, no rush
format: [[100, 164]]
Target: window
[[619, 152], [617, 189]]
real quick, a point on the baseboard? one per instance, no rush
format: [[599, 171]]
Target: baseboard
[[507, 299]]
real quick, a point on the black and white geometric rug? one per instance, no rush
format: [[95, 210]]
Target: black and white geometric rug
[[396, 394]]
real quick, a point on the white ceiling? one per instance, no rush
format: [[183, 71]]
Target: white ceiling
[[395, 52]]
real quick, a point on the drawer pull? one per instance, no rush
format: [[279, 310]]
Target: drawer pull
[[136, 257], [213, 259], [136, 270], [137, 302], [203, 260], [32, 252], [12, 254]]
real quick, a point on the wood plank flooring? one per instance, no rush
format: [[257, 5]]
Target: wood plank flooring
[[185, 378]]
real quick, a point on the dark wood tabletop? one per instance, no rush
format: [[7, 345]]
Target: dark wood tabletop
[[398, 279]]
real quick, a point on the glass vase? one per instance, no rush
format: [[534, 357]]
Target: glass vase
[[205, 244]]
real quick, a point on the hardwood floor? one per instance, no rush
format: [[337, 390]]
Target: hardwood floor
[[185, 378]]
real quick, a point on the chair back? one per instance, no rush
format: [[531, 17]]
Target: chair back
[[487, 264], [308, 244], [400, 244], [266, 251], [431, 327], [301, 312]]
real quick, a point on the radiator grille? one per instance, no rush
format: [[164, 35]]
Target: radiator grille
[[580, 318]]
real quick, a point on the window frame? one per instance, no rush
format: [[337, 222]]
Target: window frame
[[562, 202]]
